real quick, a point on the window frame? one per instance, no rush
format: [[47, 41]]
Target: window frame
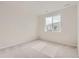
[[52, 23]]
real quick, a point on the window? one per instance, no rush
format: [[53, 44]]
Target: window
[[53, 23]]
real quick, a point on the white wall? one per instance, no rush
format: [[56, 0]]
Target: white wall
[[78, 27], [17, 25], [68, 34]]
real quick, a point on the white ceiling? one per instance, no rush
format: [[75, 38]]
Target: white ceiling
[[38, 7]]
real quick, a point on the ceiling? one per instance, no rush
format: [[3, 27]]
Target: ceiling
[[38, 7]]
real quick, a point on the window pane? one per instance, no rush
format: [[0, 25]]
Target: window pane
[[56, 19], [48, 24], [48, 20], [57, 23]]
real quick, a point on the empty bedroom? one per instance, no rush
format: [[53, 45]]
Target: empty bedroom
[[39, 29]]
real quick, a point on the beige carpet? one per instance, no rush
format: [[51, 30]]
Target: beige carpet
[[39, 49]]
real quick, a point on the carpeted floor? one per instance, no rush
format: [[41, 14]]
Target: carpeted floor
[[39, 49]]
